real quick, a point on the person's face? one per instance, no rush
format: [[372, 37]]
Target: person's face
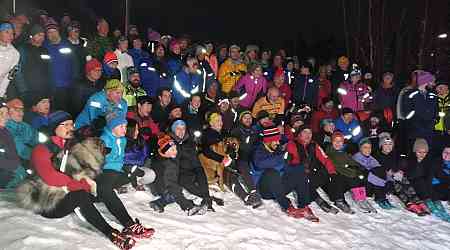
[[387, 147], [43, 107], [235, 102], [209, 48], [327, 107], [184, 43], [274, 145], [176, 49], [176, 113], [53, 35], [421, 154], [38, 39], [387, 80], [165, 98], [290, 66], [348, 117], [145, 109], [180, 131], [306, 136], [234, 54], [273, 95], [133, 31], [277, 61], [329, 128], [123, 45], [135, 80], [258, 72], [278, 81], [66, 20], [7, 36], [366, 149], [117, 33], [265, 56], [252, 55], [212, 90], [113, 65], [103, 28], [120, 130], [74, 34], [323, 73], [442, 90], [4, 116], [344, 65], [16, 113], [356, 78], [304, 71], [137, 43], [297, 124], [95, 74], [160, 51], [446, 154], [338, 143], [193, 66], [196, 102], [247, 120], [201, 56], [224, 106], [217, 124], [115, 95], [223, 52], [65, 130]]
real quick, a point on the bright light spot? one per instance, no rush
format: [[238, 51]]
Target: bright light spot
[[441, 114], [242, 97], [45, 57], [342, 91], [442, 36], [42, 138], [356, 131], [410, 115], [197, 133], [65, 51]]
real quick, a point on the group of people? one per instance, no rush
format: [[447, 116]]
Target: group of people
[[160, 102]]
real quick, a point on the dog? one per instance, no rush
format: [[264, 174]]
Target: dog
[[215, 170], [85, 160]]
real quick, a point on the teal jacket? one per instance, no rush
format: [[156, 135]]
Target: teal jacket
[[114, 160], [25, 137]]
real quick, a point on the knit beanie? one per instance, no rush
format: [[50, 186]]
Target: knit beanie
[[176, 124], [114, 121], [51, 24], [243, 113], [110, 57], [346, 111], [56, 118], [113, 84], [91, 65], [425, 78], [36, 29], [384, 138], [251, 47], [365, 140], [325, 122], [165, 142], [262, 114], [271, 134], [420, 143]]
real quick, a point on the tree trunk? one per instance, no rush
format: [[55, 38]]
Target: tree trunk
[[347, 43]]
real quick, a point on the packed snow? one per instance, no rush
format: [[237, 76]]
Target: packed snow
[[233, 226]]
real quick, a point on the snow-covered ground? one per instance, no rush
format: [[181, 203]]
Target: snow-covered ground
[[233, 226]]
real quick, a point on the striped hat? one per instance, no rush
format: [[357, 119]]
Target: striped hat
[[110, 57], [271, 134]]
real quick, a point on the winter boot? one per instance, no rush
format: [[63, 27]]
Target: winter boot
[[253, 199], [424, 208], [309, 215], [208, 203], [365, 207], [385, 204], [218, 201], [123, 241], [325, 206], [138, 231], [197, 210], [343, 206], [294, 212], [157, 205], [415, 209], [438, 210]]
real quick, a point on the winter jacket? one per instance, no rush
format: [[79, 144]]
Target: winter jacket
[[324, 90], [144, 122], [337, 78], [273, 109], [289, 77], [130, 94], [193, 119], [81, 92], [320, 115], [370, 164], [206, 73], [138, 55], [9, 57], [424, 169], [444, 111], [311, 156], [25, 137], [125, 61], [229, 73], [212, 60], [390, 161], [174, 65], [184, 85], [154, 75], [252, 87], [187, 153], [441, 174], [305, 90], [385, 98], [115, 159], [135, 154], [247, 138], [98, 46], [352, 130], [286, 93], [160, 115], [98, 105], [211, 137], [79, 53], [34, 69], [422, 113], [354, 96], [344, 163], [264, 159], [109, 73], [400, 112], [9, 159], [37, 121], [62, 64]]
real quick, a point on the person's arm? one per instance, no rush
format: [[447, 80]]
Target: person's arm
[[323, 158], [9, 159]]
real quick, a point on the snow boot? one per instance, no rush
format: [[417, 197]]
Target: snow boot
[[121, 240], [208, 203], [197, 210], [325, 206], [415, 208], [343, 206], [309, 215], [157, 205], [365, 207], [138, 231], [253, 199], [385, 204], [218, 201], [294, 212]]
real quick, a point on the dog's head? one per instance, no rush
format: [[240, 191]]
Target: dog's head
[[231, 146]]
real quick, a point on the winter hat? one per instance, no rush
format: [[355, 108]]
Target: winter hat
[[132, 70], [303, 127], [144, 99], [425, 78], [36, 29], [122, 39], [165, 142], [251, 47], [113, 121], [279, 72], [365, 140], [233, 94], [91, 65], [176, 124], [305, 64], [343, 60], [262, 114], [74, 25], [245, 112], [347, 111], [223, 100], [384, 138], [355, 71], [271, 134], [388, 73], [37, 97], [6, 26], [200, 50], [325, 122], [110, 57], [337, 134], [420, 143], [234, 46], [173, 107], [56, 118], [113, 84], [15, 103], [51, 24]]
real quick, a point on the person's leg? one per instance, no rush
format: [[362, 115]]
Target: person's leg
[[85, 202], [420, 186], [294, 179], [440, 192], [338, 182], [271, 187], [106, 182], [171, 185], [244, 171]]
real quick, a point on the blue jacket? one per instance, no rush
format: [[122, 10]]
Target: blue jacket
[[349, 130], [25, 137], [153, 76], [62, 62], [175, 65], [138, 55], [305, 90], [185, 84], [263, 159], [115, 159], [441, 173], [36, 120], [135, 155], [98, 105]]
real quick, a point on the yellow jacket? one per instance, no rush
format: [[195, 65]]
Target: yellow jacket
[[276, 108], [229, 74]]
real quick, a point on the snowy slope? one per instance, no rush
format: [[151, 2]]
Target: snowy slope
[[233, 226]]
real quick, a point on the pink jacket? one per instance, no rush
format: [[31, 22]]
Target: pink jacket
[[354, 96], [252, 87]]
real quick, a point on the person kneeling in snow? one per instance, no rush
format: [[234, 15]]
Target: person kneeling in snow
[[275, 180]]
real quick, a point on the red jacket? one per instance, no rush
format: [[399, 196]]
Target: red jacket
[[41, 160], [146, 122], [324, 90], [319, 154], [319, 115]]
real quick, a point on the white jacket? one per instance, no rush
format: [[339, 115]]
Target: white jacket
[[9, 58], [125, 61]]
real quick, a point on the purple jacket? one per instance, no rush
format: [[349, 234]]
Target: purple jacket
[[251, 86], [354, 96], [370, 163]]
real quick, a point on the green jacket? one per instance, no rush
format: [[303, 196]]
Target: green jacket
[[98, 46], [130, 94], [344, 163]]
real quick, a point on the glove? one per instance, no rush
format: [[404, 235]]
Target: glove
[[75, 185], [227, 161]]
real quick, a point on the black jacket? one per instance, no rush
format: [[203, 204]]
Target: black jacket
[[209, 138]]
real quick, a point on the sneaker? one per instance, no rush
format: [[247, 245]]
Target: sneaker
[[294, 212], [384, 204], [138, 231], [197, 210], [309, 215], [121, 240], [415, 208], [254, 200], [343, 206], [325, 206], [424, 208]]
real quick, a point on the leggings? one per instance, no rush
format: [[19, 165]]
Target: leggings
[[85, 202]]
